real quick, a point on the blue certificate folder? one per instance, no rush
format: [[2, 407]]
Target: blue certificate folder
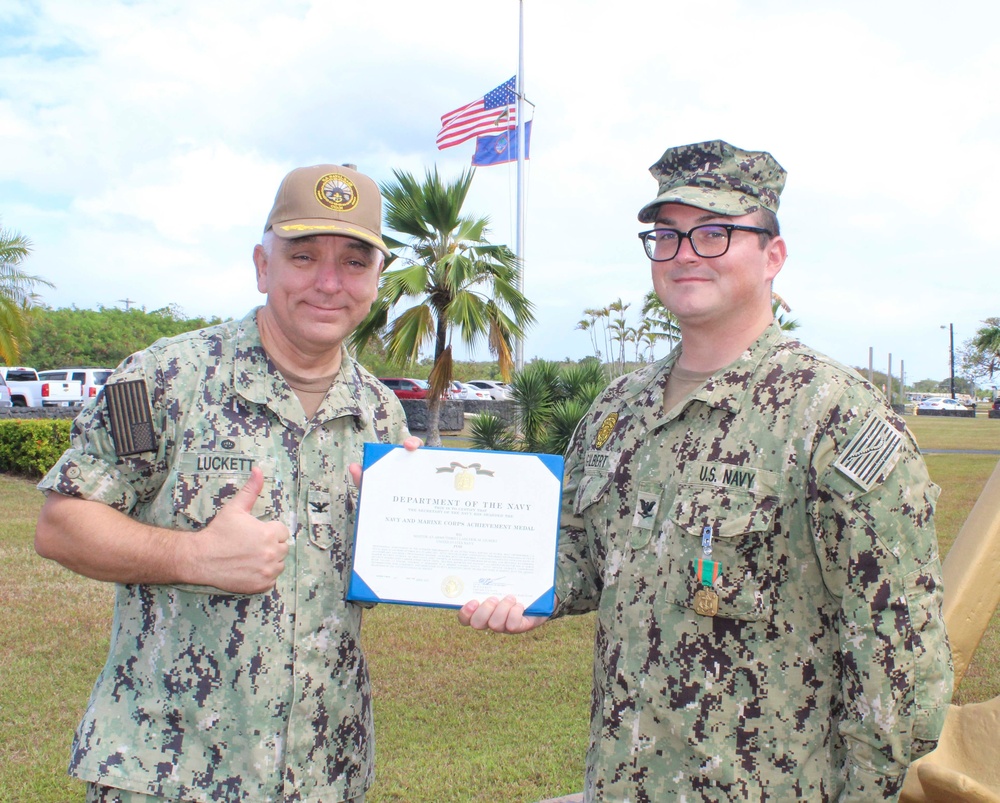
[[360, 590]]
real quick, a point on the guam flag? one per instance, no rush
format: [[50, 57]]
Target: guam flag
[[500, 148]]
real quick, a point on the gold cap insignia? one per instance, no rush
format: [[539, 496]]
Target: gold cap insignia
[[337, 191]]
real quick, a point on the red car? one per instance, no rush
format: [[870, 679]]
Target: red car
[[407, 388]]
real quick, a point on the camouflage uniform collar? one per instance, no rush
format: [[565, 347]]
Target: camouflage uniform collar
[[345, 397], [256, 380], [727, 389], [250, 366], [642, 391]]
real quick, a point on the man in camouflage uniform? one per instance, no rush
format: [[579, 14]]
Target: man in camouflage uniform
[[754, 526], [210, 481]]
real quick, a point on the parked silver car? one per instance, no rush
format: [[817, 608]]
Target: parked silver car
[[497, 390], [5, 394], [941, 404], [461, 391]]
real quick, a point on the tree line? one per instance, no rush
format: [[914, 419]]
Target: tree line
[[444, 280], [71, 337]]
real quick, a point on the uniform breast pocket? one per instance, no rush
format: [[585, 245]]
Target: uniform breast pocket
[[741, 543], [199, 497], [331, 516], [590, 491], [590, 504]]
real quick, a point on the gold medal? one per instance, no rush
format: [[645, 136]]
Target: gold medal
[[706, 602]]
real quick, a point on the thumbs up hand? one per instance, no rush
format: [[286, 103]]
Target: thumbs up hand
[[237, 552]]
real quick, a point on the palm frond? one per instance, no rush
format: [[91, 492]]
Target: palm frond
[[441, 374], [407, 280], [370, 330], [14, 247], [488, 431], [534, 392], [13, 330], [563, 420], [500, 347], [408, 332], [580, 379], [17, 294]]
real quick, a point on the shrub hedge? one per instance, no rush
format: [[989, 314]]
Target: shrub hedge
[[31, 446]]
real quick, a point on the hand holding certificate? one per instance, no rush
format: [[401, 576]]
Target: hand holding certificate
[[440, 527]]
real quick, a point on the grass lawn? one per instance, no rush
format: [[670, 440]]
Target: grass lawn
[[939, 432], [457, 712], [461, 716]]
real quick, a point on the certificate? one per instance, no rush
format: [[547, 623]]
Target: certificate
[[440, 527]]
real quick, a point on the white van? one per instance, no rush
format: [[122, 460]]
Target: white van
[[90, 379]]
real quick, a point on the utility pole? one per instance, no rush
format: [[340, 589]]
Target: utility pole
[[951, 352], [519, 133], [888, 381], [128, 302]]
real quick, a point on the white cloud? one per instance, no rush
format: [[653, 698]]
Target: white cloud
[[144, 141], [189, 196]]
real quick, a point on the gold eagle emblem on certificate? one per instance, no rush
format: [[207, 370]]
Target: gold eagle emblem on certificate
[[465, 480], [465, 476]]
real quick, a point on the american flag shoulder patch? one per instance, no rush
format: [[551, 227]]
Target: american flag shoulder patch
[[130, 416], [870, 451]]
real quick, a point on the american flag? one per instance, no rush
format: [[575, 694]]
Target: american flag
[[491, 114]]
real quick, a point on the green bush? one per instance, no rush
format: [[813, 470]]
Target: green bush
[[550, 400], [31, 446]]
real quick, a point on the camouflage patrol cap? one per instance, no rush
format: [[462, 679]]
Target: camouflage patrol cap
[[716, 177], [328, 199]]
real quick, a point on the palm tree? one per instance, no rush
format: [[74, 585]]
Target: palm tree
[[17, 294], [645, 341], [662, 323], [590, 323], [981, 356], [621, 334], [460, 280], [778, 303]]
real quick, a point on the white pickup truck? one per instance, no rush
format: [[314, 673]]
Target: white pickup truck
[[27, 390]]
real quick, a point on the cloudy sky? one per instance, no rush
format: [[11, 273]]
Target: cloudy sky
[[142, 142]]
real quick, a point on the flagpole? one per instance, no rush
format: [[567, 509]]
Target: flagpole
[[519, 243]]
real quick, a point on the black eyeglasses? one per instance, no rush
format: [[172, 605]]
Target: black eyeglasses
[[708, 241]]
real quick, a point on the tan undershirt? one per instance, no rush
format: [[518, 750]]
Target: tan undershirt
[[681, 383], [310, 392]]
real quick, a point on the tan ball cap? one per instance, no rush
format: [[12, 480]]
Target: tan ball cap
[[328, 199]]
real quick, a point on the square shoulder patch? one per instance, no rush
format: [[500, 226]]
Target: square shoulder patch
[[130, 417], [869, 452]]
